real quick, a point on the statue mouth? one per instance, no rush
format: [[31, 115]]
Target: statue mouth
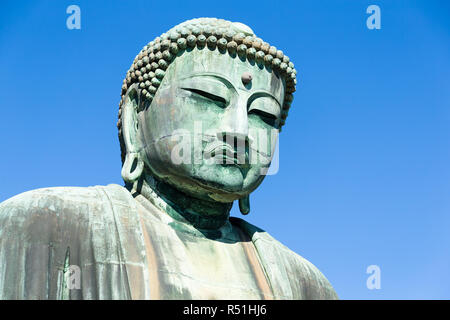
[[223, 154]]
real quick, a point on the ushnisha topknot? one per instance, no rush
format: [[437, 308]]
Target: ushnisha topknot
[[234, 38]]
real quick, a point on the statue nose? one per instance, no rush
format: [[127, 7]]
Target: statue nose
[[234, 130], [235, 120]]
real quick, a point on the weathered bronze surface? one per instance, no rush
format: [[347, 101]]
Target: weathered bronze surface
[[207, 90]]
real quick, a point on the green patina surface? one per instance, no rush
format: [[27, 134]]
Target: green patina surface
[[207, 90]]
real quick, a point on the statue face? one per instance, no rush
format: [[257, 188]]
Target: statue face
[[209, 131]]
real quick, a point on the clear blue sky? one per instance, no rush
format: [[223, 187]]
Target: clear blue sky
[[364, 157]]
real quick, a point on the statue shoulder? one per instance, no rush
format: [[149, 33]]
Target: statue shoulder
[[56, 206], [43, 231], [305, 279]]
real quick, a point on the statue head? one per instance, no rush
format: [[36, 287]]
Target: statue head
[[201, 109]]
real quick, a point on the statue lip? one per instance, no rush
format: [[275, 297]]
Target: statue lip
[[225, 153]]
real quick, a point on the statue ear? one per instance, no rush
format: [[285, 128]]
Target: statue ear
[[133, 165], [244, 205]]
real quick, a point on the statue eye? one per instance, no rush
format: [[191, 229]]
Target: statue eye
[[264, 108], [268, 118], [216, 99]]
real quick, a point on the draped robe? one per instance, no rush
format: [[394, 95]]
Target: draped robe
[[125, 247]]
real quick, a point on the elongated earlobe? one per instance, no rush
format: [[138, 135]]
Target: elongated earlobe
[[244, 205], [132, 167]]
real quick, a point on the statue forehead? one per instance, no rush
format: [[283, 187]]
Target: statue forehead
[[198, 64]]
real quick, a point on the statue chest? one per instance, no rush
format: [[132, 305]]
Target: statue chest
[[186, 265]]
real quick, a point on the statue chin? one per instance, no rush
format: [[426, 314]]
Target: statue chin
[[222, 183]]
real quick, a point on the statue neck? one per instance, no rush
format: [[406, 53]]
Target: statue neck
[[202, 214]]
